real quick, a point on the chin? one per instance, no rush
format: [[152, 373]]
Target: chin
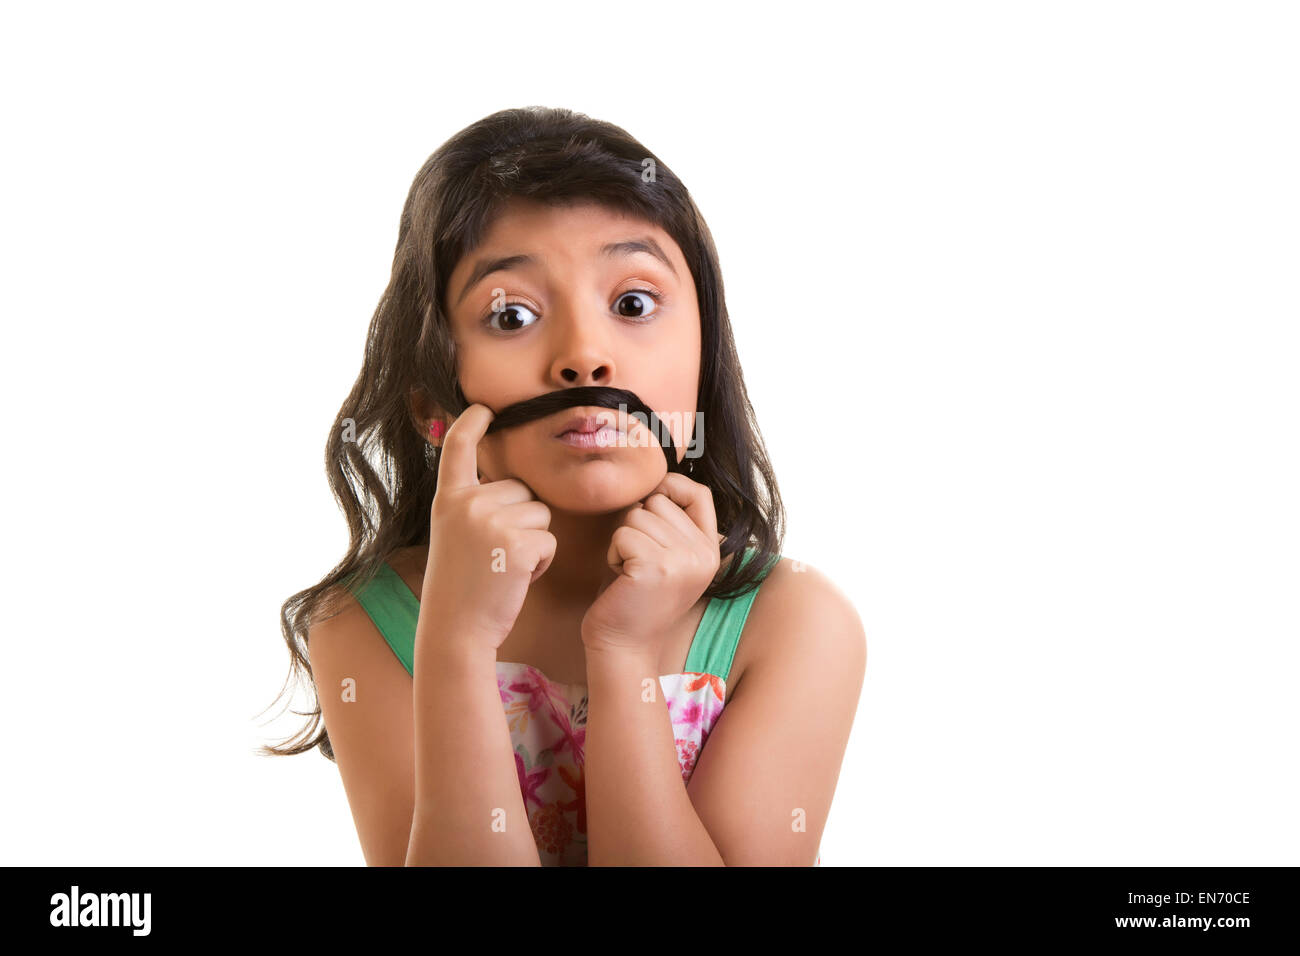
[[593, 487]]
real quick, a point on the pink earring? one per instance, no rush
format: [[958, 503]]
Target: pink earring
[[432, 451]]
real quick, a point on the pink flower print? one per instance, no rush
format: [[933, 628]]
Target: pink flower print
[[688, 712], [687, 752], [527, 687], [541, 691], [712, 710], [550, 687], [571, 740], [530, 780], [501, 689], [531, 696], [543, 694]]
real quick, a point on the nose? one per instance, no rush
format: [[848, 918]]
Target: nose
[[582, 356]]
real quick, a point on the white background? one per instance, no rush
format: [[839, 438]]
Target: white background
[[1014, 286]]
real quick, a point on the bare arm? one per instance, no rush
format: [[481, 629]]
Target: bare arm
[[762, 788], [469, 809], [367, 703], [777, 748], [638, 811]]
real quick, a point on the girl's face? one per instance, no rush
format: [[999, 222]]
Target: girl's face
[[593, 297]]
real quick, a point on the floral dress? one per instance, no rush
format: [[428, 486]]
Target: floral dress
[[548, 726], [548, 719]]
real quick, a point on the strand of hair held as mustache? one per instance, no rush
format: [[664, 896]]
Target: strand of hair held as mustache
[[599, 396]]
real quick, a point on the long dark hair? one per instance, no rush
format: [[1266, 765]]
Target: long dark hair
[[374, 456]]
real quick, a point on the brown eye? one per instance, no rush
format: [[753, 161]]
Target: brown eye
[[629, 307], [513, 317]]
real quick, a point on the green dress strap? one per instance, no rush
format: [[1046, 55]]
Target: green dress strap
[[716, 639], [395, 611]]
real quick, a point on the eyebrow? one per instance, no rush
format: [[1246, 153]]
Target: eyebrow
[[627, 247]]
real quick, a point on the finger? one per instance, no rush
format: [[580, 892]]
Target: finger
[[666, 510], [626, 544], [693, 498], [663, 532], [543, 544], [526, 514], [505, 491], [458, 463]]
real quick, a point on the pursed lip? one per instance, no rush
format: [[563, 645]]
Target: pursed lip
[[587, 423]]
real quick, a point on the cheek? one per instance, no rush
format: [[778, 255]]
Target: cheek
[[475, 380], [492, 458], [479, 368]]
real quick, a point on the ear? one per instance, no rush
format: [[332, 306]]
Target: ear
[[423, 410]]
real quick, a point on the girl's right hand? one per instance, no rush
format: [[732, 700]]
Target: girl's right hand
[[487, 543]]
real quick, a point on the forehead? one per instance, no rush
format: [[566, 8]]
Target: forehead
[[575, 228], [572, 234]]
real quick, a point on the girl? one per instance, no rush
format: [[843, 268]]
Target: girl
[[531, 652]]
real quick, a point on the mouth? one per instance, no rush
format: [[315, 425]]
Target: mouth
[[594, 416], [602, 438], [581, 425]]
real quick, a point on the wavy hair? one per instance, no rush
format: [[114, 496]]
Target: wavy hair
[[374, 454]]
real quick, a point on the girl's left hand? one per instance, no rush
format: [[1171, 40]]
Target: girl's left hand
[[661, 559]]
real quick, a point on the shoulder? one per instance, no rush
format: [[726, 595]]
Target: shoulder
[[801, 620], [336, 630], [344, 628], [346, 650]]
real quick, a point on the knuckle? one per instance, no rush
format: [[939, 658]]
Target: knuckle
[[445, 500], [476, 509]]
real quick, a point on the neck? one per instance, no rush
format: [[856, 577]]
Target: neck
[[581, 562]]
